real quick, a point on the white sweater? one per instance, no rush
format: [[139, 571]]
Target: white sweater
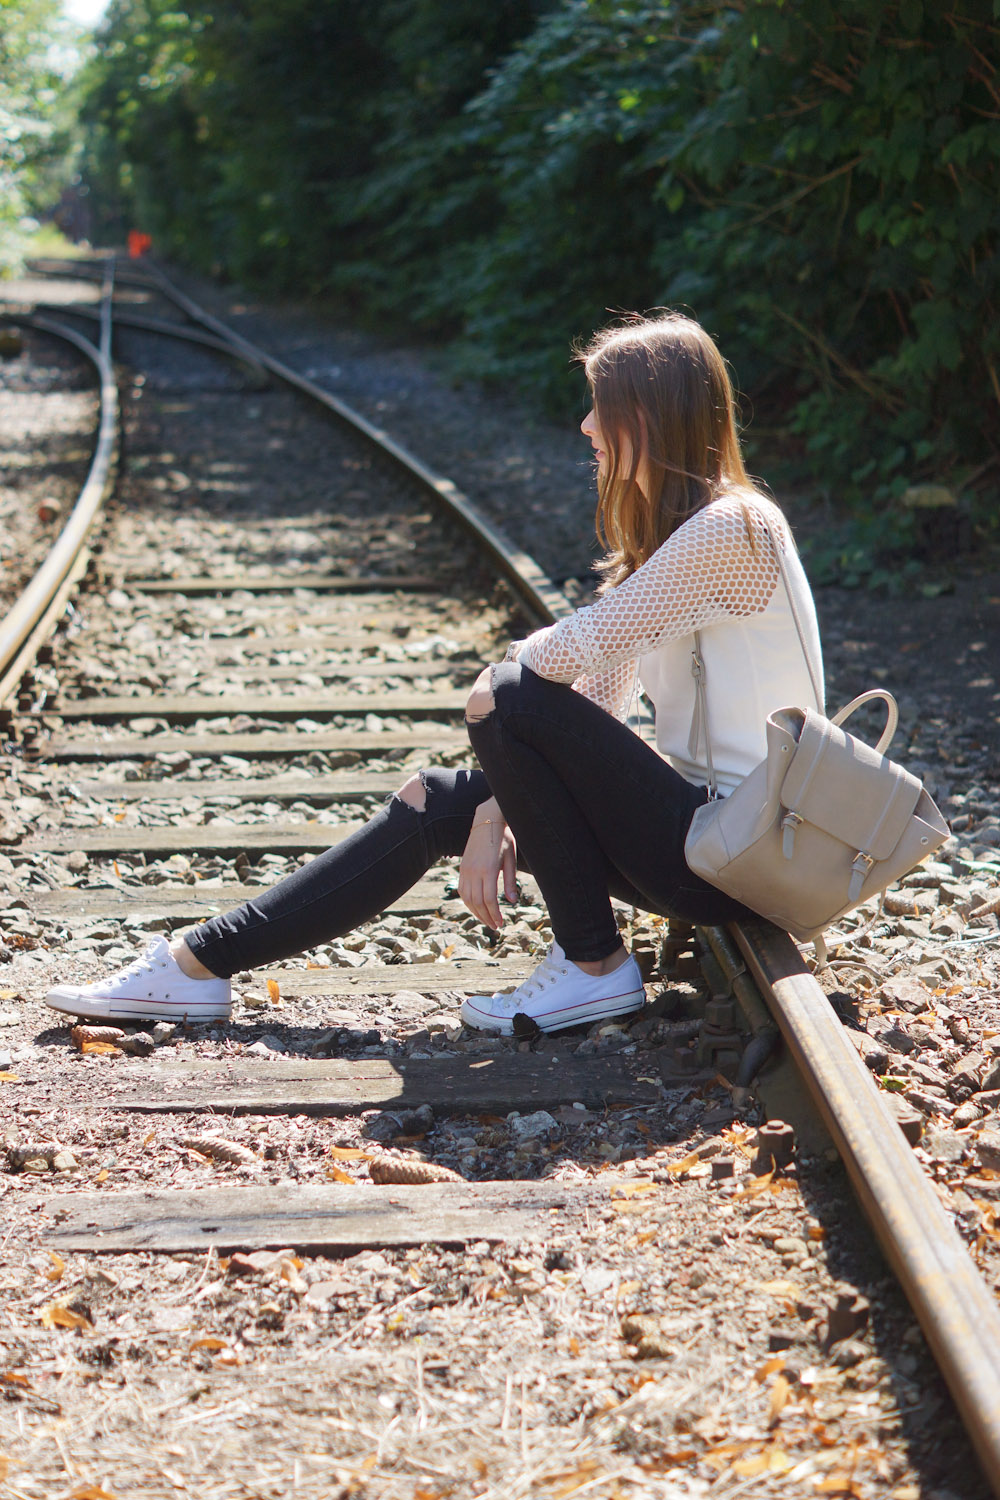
[[717, 575]]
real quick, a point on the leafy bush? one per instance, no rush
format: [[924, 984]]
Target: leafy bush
[[32, 145], [814, 181]]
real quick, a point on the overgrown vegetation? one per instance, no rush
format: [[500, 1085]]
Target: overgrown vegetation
[[814, 180], [34, 125]]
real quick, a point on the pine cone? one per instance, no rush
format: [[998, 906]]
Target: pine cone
[[409, 1170], [81, 1034], [220, 1150]]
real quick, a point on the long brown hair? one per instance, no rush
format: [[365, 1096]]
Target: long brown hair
[[664, 402]]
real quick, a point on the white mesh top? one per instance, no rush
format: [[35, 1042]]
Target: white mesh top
[[718, 575]]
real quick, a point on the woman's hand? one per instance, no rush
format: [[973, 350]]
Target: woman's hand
[[489, 853]]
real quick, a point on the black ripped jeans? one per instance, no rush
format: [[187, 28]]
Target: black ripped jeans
[[595, 811]]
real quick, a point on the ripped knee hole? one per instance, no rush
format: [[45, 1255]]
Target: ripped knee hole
[[414, 792], [480, 702]]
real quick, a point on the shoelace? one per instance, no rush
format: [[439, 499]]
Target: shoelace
[[144, 964], [549, 970]]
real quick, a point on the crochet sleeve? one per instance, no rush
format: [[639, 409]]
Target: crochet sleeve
[[719, 563], [610, 690]]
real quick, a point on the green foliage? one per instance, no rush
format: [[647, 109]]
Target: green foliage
[[33, 54], [814, 181]]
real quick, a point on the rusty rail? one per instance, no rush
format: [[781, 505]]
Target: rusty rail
[[955, 1308], [35, 613]]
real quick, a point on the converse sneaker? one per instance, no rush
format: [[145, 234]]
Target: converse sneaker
[[558, 994], [152, 988]]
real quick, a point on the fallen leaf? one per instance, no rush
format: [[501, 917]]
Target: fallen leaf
[[571, 1479], [719, 1456], [8, 1078], [102, 1175], [336, 1175], [633, 1189], [770, 1461], [56, 1316], [759, 1185], [837, 1484], [57, 1269], [770, 1367], [780, 1392], [91, 1492], [349, 1153], [668, 1460], [101, 1049], [685, 1164], [210, 1343], [273, 992], [574, 1345]]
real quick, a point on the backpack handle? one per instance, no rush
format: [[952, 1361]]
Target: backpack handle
[[892, 714]]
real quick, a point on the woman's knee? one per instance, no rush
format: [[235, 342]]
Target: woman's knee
[[414, 792], [480, 702]]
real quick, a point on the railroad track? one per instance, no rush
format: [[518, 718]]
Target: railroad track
[[274, 699]]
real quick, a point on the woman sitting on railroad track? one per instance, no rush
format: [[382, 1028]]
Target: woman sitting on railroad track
[[565, 788]]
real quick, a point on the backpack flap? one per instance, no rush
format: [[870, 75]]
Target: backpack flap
[[847, 790]]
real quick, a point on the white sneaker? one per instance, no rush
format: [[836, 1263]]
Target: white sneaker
[[152, 988], [558, 994]]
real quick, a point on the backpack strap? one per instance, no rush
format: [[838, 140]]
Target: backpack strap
[[699, 719]]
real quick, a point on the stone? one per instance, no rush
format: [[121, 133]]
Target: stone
[[163, 1032], [138, 1044], [931, 875], [874, 1052], [944, 1145], [916, 902], [935, 970], [896, 1039], [988, 1149], [267, 1046], [530, 1127], [905, 993], [968, 1071]]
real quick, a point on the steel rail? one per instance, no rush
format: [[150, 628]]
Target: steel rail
[[32, 616], [520, 568], [955, 1308], [148, 325]]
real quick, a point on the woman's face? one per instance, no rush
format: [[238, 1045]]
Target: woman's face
[[591, 429]]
